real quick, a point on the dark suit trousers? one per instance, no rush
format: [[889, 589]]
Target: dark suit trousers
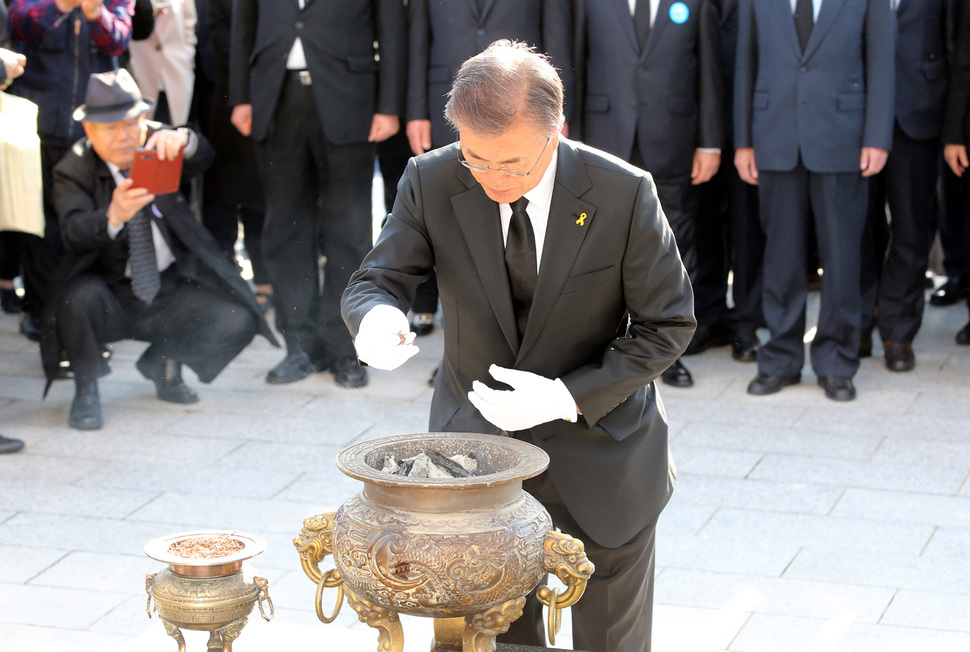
[[41, 255], [908, 184], [615, 613], [318, 202], [788, 201], [186, 322], [729, 238]]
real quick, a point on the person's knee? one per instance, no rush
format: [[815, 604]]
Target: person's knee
[[83, 298]]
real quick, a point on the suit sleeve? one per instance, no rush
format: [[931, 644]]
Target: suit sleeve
[[660, 304], [880, 49], [241, 41], [955, 115], [392, 39], [419, 57], [557, 42], [710, 79], [745, 73]]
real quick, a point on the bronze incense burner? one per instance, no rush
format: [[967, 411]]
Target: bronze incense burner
[[214, 594], [463, 550]]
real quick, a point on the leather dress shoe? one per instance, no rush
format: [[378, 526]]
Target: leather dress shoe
[[295, 366], [86, 407], [899, 356], [952, 290], [764, 384], [708, 336], [167, 376], [865, 348], [676, 375], [422, 323], [29, 327], [8, 445], [745, 346], [963, 337], [837, 388], [348, 373]]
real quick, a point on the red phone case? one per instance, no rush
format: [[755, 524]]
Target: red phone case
[[159, 177]]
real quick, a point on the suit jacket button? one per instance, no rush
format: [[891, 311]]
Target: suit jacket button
[[298, 24], [481, 32], [803, 69]]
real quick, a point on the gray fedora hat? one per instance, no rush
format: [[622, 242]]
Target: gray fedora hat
[[111, 97]]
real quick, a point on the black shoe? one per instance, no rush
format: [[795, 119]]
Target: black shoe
[[865, 348], [86, 407], [708, 336], [950, 292], [677, 375], [899, 356], [8, 445], [167, 376], [348, 373], [9, 301], [837, 388], [963, 337], [295, 366], [764, 384], [29, 327], [422, 323], [744, 346]]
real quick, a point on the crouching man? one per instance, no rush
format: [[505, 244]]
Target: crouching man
[[138, 265]]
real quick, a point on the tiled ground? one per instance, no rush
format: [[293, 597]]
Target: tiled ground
[[798, 524]]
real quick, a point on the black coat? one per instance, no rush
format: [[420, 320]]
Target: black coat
[[83, 186]]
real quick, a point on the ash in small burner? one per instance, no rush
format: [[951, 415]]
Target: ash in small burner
[[432, 464]]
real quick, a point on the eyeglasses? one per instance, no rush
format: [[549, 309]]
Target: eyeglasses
[[501, 170], [112, 129]]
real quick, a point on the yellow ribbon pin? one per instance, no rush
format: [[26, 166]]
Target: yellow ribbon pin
[[582, 219]]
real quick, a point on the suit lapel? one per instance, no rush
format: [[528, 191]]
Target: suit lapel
[[480, 224], [486, 8], [826, 17], [661, 18], [569, 222], [786, 20], [622, 7]]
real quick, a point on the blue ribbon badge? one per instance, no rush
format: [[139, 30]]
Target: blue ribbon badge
[[679, 13]]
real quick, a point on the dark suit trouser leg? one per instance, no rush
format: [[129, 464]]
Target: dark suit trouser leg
[[839, 202], [875, 240], [784, 208], [911, 186], [747, 253], [89, 315], [41, 255], [186, 322], [615, 613], [711, 239], [956, 207]]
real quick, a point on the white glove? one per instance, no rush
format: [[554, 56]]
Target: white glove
[[384, 339], [533, 399]]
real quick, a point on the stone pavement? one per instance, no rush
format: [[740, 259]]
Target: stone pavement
[[798, 524]]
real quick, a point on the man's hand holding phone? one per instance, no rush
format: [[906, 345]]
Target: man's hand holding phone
[[126, 202], [168, 143]]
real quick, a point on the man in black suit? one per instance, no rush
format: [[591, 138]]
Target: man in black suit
[[813, 118], [893, 292], [138, 265], [651, 92], [729, 237], [308, 84], [560, 279], [956, 119]]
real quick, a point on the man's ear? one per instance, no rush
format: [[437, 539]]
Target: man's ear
[[87, 129]]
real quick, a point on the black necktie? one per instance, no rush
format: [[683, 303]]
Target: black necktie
[[145, 280], [804, 21], [641, 21], [520, 261]]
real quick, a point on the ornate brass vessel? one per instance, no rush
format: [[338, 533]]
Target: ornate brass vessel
[[464, 551], [213, 594]]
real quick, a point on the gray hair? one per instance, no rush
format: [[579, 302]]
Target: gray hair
[[507, 82]]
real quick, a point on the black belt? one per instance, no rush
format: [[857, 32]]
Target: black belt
[[302, 76]]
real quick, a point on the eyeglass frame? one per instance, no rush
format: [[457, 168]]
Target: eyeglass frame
[[485, 169]]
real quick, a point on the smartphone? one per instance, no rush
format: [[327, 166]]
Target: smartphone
[[159, 177]]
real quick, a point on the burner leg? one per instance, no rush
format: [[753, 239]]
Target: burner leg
[[390, 636], [482, 628]]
